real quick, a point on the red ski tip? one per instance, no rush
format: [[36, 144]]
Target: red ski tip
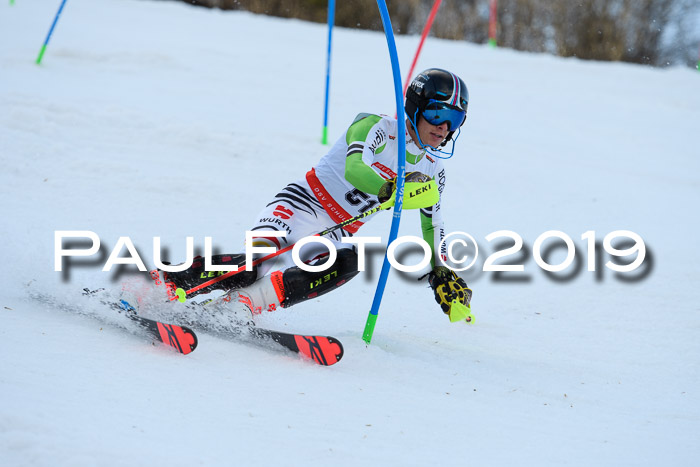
[[179, 337], [322, 350]]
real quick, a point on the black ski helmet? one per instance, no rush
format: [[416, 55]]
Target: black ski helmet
[[440, 85]]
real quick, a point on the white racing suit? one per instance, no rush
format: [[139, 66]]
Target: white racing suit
[[341, 186]]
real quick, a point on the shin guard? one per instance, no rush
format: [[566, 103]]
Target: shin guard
[[299, 285]]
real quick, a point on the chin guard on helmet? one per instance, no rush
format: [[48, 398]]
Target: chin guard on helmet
[[432, 86], [439, 153]]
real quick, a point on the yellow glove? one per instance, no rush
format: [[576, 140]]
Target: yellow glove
[[389, 186], [451, 293]]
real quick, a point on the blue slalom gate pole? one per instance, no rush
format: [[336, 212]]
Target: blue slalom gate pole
[[48, 36], [331, 20], [401, 120]]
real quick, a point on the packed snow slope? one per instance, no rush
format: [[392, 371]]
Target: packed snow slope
[[151, 118]]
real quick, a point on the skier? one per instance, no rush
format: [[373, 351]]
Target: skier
[[357, 174]]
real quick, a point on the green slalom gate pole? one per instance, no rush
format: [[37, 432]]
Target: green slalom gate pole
[[48, 36], [398, 204]]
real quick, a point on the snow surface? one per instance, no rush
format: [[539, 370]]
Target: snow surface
[[160, 119]]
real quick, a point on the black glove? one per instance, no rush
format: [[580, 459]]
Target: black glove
[[389, 186], [447, 286]]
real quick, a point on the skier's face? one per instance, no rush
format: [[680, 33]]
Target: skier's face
[[432, 135]]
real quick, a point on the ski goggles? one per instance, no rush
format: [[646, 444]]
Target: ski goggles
[[438, 112]]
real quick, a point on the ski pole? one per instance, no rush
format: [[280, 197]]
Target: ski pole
[[419, 195], [48, 36], [181, 294]]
